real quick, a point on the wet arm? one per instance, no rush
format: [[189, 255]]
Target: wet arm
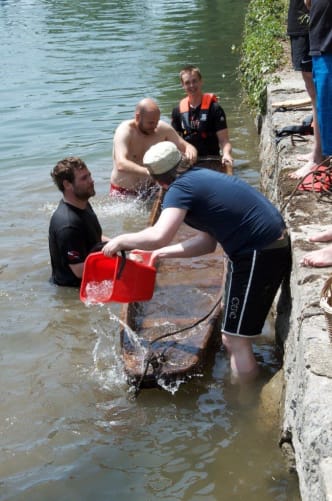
[[153, 237], [77, 269], [202, 243], [225, 150], [186, 148]]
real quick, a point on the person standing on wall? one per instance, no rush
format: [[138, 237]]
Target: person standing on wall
[[320, 35], [298, 31], [201, 121]]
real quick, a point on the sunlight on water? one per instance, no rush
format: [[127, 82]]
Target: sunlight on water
[[49, 207], [171, 386]]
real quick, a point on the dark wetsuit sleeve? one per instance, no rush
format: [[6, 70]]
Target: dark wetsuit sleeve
[[217, 117], [176, 120], [73, 246], [72, 235]]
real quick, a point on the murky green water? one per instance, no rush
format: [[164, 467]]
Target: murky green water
[[69, 430]]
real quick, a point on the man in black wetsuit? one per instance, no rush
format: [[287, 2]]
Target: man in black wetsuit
[[201, 121], [74, 227]]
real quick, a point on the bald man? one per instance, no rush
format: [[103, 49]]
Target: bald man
[[131, 141]]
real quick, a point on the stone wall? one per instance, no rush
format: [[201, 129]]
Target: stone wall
[[306, 415]]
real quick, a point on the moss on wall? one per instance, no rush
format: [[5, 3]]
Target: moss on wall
[[262, 50]]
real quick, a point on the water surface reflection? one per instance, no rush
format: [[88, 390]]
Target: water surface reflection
[[69, 427]]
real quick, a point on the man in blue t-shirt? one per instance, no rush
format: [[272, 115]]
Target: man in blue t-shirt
[[225, 210]]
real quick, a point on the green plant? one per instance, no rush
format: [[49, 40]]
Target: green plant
[[262, 51]]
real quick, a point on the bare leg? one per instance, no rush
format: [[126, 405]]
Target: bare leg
[[315, 158], [324, 236], [244, 367], [318, 258]]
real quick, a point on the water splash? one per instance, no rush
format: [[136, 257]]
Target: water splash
[[132, 207], [135, 340], [108, 362], [98, 292], [108, 366], [171, 386]]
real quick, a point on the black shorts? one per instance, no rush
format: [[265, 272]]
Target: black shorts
[[300, 47], [252, 282]]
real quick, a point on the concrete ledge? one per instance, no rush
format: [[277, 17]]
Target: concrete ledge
[[307, 400]]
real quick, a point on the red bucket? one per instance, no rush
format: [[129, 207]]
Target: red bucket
[[118, 278]]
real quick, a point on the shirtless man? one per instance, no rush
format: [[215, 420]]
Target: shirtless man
[[321, 257], [132, 139]]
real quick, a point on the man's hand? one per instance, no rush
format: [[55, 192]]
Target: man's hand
[[112, 247], [227, 163], [191, 153]]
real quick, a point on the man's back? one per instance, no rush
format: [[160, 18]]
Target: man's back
[[208, 197]]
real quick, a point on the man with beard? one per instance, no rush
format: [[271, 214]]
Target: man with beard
[[225, 211], [131, 140], [74, 229]]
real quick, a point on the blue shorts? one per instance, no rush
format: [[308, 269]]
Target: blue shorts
[[252, 281], [322, 75]]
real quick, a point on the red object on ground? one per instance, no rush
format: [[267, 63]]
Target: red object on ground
[[318, 180]]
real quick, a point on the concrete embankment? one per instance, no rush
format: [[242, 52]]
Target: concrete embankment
[[306, 404]]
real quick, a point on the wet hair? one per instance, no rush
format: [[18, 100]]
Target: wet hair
[[190, 68], [170, 176], [65, 171]]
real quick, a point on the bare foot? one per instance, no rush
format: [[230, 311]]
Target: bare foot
[[324, 236], [318, 258], [303, 171], [308, 157]]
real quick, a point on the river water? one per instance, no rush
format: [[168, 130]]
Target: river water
[[71, 71]]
